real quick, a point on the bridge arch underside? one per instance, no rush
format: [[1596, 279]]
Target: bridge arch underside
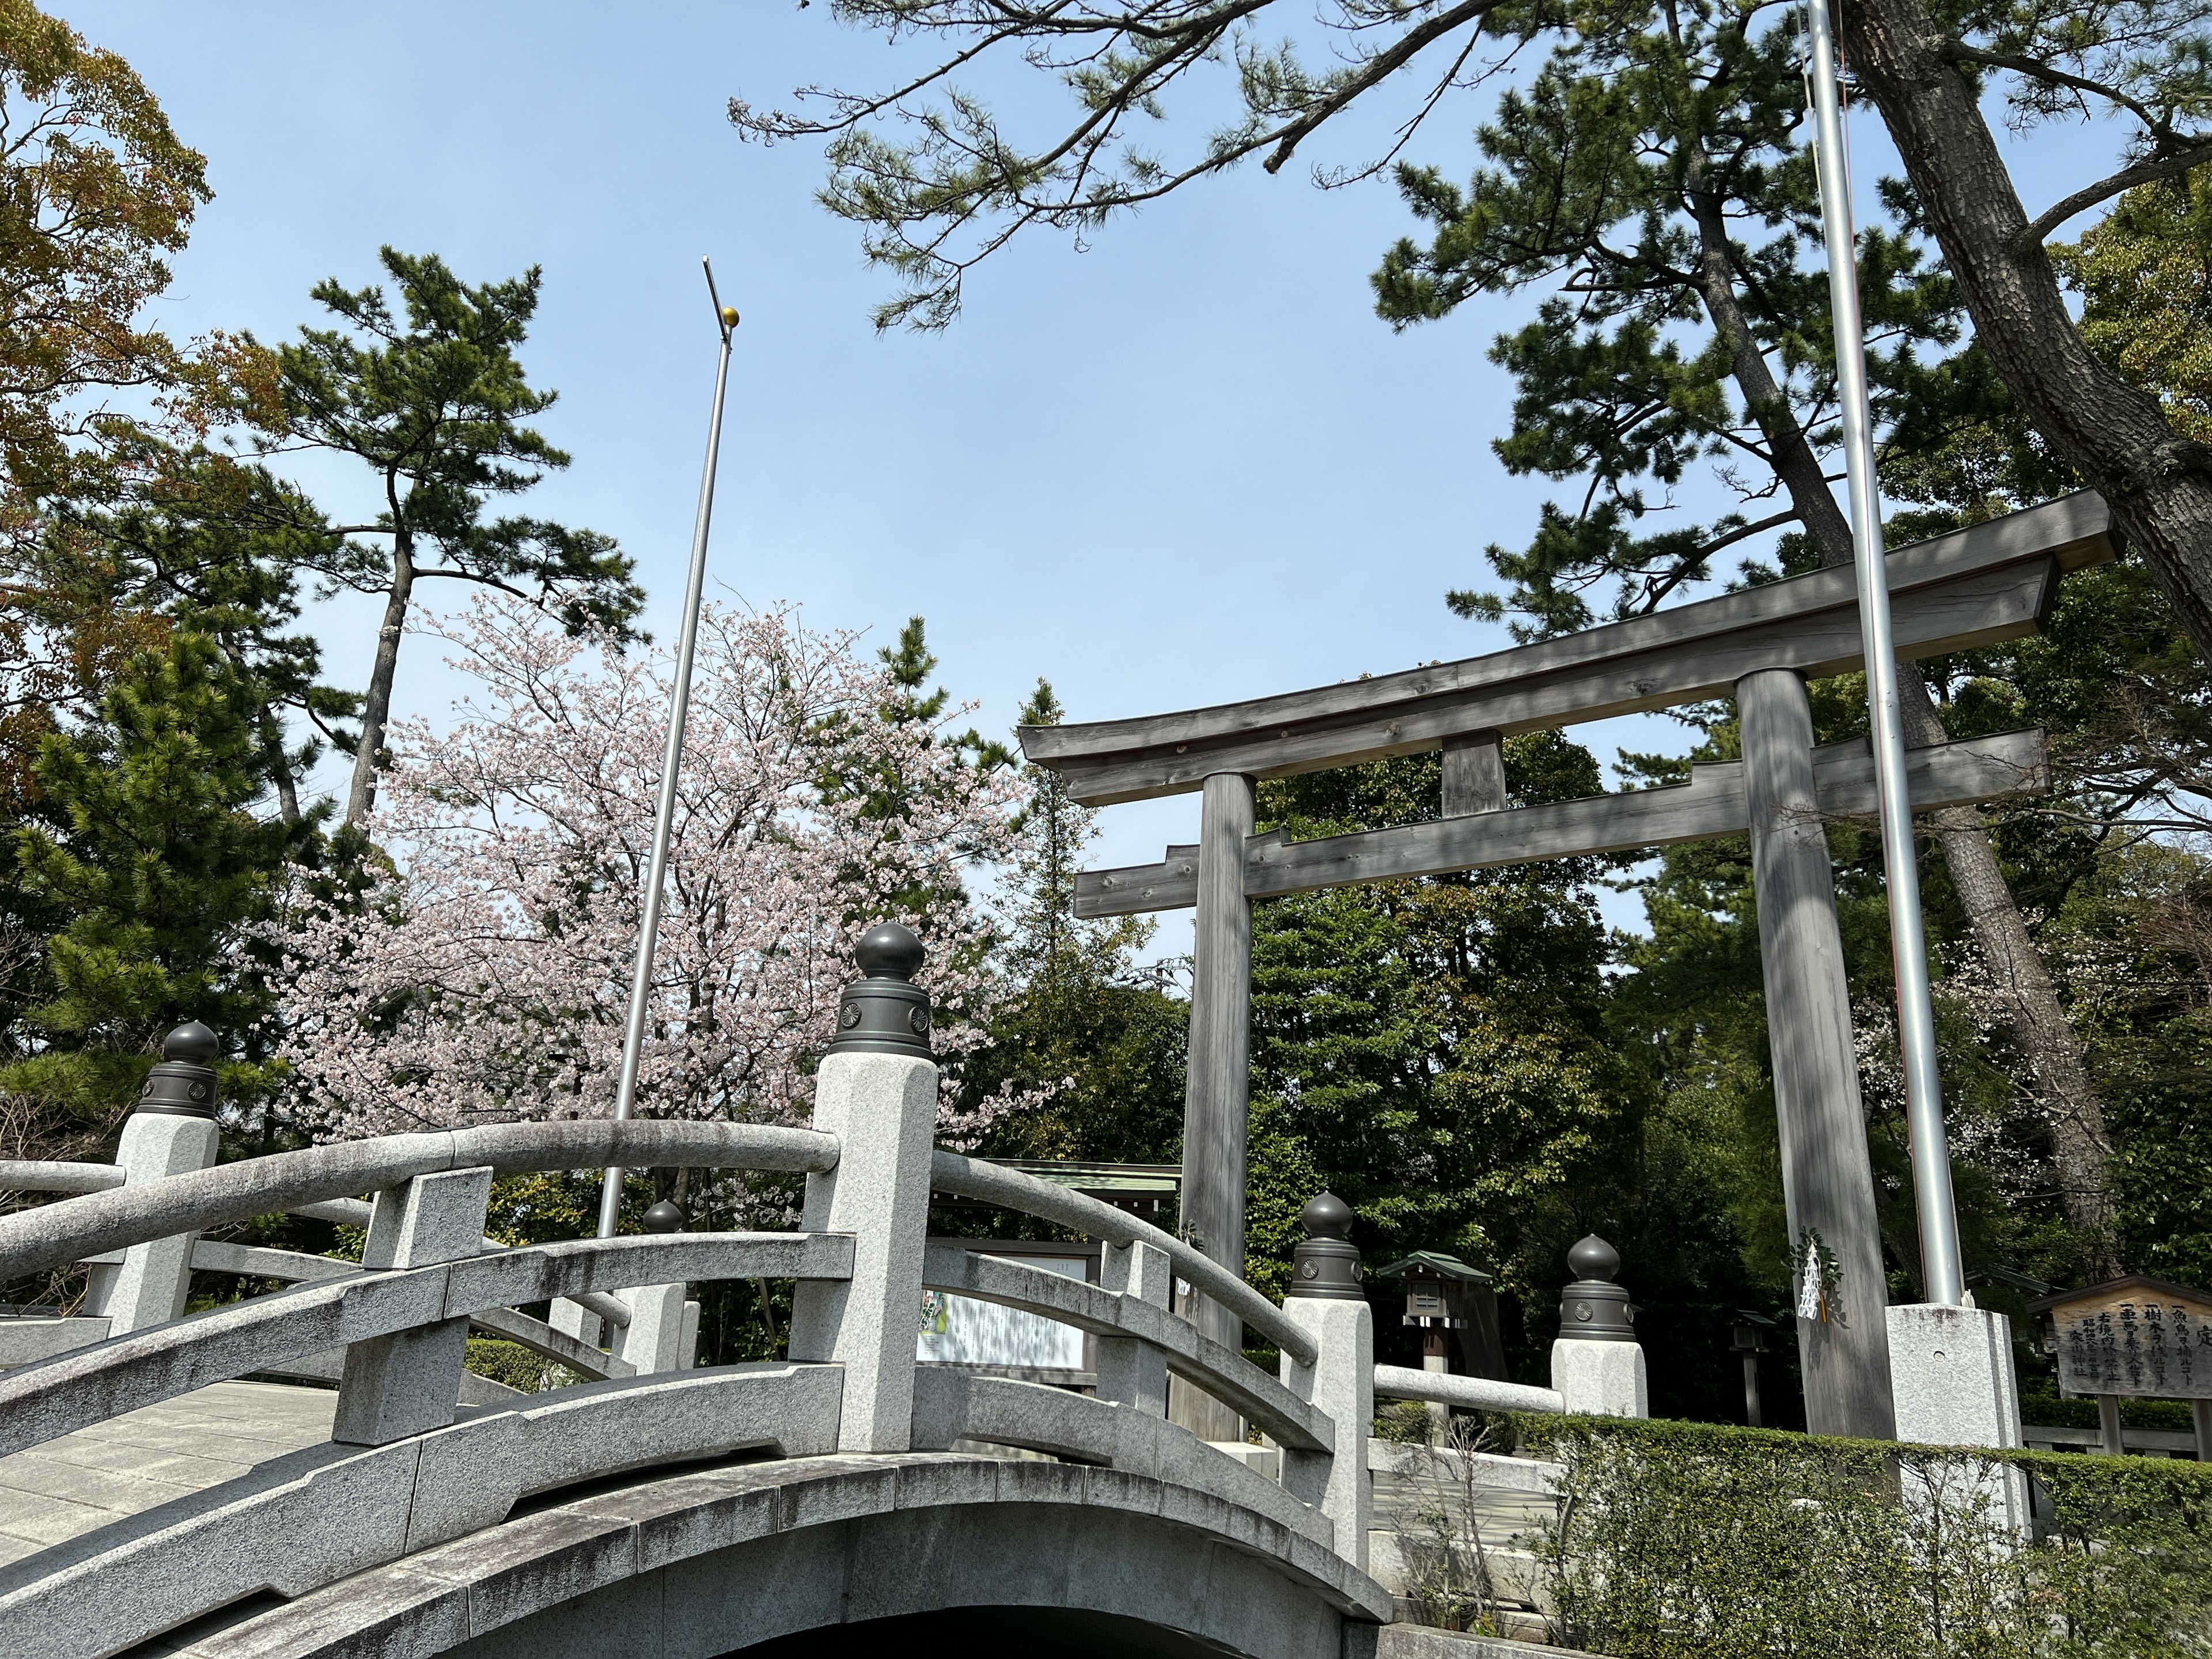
[[843, 1550]]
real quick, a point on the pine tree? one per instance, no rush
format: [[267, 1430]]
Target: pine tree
[[1085, 1023], [149, 876], [435, 409]]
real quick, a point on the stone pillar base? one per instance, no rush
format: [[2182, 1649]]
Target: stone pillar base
[[1951, 1370], [1603, 1379]]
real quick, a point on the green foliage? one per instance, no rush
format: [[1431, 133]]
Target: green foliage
[[1100, 1040], [2052, 1411], [206, 543], [436, 408], [2144, 273], [1433, 1051], [515, 1365], [96, 191], [1680, 1539], [147, 872]]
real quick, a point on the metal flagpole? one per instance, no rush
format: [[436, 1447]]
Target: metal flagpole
[[1916, 1014], [648, 932]]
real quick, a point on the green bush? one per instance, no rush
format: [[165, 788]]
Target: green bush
[[515, 1365], [2050, 1411], [1676, 1540]]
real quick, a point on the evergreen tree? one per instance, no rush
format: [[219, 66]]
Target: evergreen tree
[[207, 543], [435, 408], [149, 878], [939, 185], [1100, 1038], [1443, 1052]]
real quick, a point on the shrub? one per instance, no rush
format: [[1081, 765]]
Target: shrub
[[1675, 1540], [515, 1365]]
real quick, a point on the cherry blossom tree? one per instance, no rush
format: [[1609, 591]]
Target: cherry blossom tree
[[487, 976]]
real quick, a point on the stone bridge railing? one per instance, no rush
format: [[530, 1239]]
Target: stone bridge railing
[[861, 1260]]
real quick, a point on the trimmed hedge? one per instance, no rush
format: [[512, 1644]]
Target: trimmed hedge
[[515, 1365], [1687, 1540]]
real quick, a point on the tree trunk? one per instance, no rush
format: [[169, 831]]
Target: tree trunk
[[378, 703], [2081, 1149], [1792, 458], [2111, 433], [280, 766]]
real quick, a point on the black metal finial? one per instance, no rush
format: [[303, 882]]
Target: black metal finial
[[1593, 1308], [666, 1216], [1593, 1258], [1325, 1263], [885, 1014], [183, 1084]]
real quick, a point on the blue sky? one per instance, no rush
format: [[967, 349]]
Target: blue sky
[[1184, 467]]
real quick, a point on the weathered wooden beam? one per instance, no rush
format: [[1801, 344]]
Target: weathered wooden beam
[[1991, 582], [1217, 1082], [1710, 804]]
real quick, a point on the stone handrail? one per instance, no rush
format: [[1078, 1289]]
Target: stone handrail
[[90, 1385], [54, 1235], [45, 1175], [994, 1183], [296, 1267], [1190, 1354], [1479, 1394]]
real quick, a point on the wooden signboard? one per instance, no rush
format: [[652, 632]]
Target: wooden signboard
[[2138, 1337]]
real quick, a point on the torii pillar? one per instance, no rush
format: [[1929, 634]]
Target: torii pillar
[[1827, 1179], [1216, 1100]]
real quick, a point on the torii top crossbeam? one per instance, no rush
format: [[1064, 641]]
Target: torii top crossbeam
[[1991, 582]]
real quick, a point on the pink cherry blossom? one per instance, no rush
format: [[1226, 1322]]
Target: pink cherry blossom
[[488, 978]]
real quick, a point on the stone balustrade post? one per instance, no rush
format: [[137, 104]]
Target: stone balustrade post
[[1325, 1297], [171, 1132], [654, 1340], [1597, 1365], [1133, 1373], [876, 1092], [409, 1382]]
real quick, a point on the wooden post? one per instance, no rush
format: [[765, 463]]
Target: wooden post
[[1217, 1094], [1474, 773], [2113, 1441], [1827, 1181]]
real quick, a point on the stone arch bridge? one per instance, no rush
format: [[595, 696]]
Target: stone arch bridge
[[658, 1510]]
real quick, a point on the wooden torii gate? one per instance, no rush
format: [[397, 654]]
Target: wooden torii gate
[[1992, 582]]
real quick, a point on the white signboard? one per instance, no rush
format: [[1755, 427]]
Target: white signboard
[[962, 1330]]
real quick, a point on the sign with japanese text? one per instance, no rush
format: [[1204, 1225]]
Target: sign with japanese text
[[2137, 1337]]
